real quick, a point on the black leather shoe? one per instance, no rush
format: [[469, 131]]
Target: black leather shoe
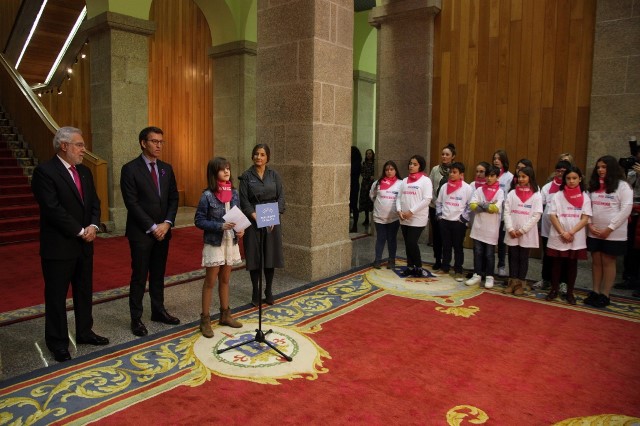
[[164, 318], [61, 355], [268, 299], [138, 328], [92, 339], [407, 272]]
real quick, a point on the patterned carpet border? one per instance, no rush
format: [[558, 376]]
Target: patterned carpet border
[[95, 385]]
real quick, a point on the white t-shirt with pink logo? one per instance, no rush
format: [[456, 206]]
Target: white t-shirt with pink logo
[[569, 216], [612, 210], [523, 216], [486, 226], [416, 197]]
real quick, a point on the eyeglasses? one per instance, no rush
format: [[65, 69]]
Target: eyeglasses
[[156, 142], [78, 144]]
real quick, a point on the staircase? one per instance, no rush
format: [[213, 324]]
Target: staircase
[[19, 211]]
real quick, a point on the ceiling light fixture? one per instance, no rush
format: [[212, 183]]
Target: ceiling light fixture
[[33, 30], [72, 34]]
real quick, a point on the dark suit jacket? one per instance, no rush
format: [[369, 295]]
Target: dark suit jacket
[[144, 206], [62, 212]]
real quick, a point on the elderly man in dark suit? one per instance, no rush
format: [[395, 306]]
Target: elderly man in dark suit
[[69, 219], [150, 194]]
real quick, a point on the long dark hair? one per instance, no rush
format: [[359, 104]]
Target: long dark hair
[[373, 157], [266, 151], [572, 169], [527, 163], [384, 168], [611, 180], [502, 154], [532, 177], [214, 166]]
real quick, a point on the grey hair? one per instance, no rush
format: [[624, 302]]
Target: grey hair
[[64, 135]]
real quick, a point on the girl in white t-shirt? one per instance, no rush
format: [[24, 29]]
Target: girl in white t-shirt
[[384, 193], [412, 206], [522, 211], [569, 212], [611, 203]]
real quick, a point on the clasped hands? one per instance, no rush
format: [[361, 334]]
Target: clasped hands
[[600, 233]]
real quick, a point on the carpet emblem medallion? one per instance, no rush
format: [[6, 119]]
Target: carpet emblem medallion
[[443, 290], [257, 362], [602, 419], [461, 414]]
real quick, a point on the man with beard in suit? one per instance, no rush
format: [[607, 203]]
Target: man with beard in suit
[[150, 194], [69, 220]]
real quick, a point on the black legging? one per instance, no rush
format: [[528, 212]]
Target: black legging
[[518, 262], [561, 267], [436, 236], [268, 275], [411, 235]]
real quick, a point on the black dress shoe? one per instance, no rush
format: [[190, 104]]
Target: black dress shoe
[[164, 317], [268, 299], [407, 272], [138, 328], [61, 355], [92, 339]]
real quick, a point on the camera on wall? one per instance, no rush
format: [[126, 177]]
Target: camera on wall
[[628, 162]]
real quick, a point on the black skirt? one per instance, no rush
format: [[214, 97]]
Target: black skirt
[[273, 256]]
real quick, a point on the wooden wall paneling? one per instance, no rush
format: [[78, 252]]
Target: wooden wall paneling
[[571, 104], [180, 91], [452, 135], [515, 53], [560, 78], [8, 12], [535, 71]]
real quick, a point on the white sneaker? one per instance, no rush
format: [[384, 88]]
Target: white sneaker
[[488, 282], [475, 279], [502, 271], [538, 284], [563, 288]]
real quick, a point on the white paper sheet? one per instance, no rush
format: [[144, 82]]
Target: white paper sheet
[[236, 216]]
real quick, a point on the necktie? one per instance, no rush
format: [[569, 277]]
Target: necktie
[[154, 176], [76, 179]]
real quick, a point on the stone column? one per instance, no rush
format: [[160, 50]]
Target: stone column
[[119, 94], [364, 108], [615, 91], [304, 113], [405, 78], [234, 100]]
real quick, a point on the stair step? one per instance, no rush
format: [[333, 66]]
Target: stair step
[[20, 223], [19, 211], [14, 180], [16, 200], [11, 171], [15, 189], [19, 236]]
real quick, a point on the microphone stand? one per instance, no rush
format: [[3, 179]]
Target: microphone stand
[[260, 336]]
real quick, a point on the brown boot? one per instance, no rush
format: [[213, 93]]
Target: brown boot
[[525, 285], [510, 286], [518, 288], [205, 326], [227, 319]]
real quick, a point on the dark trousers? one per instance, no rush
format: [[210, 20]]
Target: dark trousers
[[562, 267], [436, 235], [148, 259], [57, 276], [387, 233], [632, 258], [484, 258], [518, 262], [411, 235], [452, 239], [502, 247]]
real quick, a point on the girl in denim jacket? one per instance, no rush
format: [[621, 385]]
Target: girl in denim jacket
[[221, 251]]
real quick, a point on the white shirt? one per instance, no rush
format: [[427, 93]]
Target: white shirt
[[569, 216], [524, 217], [545, 223], [415, 197], [452, 206], [384, 202], [486, 226], [612, 210]]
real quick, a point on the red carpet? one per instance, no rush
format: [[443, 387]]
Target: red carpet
[[22, 285], [399, 361]]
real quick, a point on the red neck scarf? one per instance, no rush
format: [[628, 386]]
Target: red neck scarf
[[490, 191], [453, 185], [480, 182], [387, 183], [603, 187], [414, 177], [524, 193], [223, 193], [574, 196], [555, 185]]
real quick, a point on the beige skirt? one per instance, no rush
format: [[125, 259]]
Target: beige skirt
[[226, 254]]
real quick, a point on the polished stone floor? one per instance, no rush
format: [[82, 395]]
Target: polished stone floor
[[22, 348]]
